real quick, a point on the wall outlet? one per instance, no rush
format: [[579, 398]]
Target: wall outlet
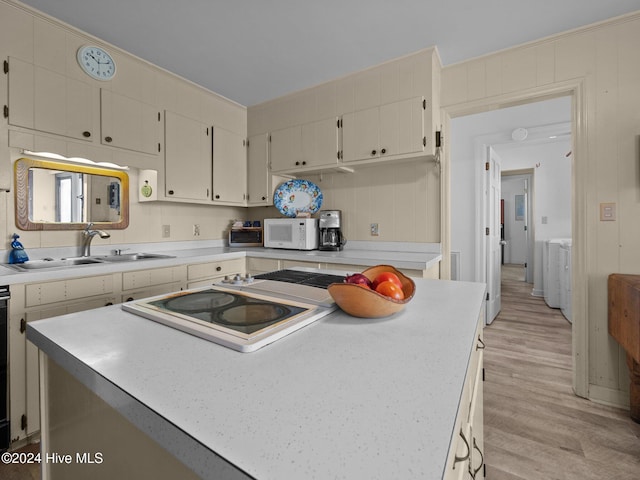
[[166, 231], [607, 212], [374, 230], [196, 230]]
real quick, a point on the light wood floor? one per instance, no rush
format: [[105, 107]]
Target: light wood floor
[[535, 427]]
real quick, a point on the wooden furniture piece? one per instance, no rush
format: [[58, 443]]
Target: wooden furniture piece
[[624, 326]]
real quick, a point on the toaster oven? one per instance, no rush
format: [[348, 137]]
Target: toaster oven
[[245, 237]]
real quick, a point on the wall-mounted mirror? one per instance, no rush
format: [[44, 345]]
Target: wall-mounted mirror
[[62, 196]]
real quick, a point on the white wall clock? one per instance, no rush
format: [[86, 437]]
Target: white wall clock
[[96, 62]]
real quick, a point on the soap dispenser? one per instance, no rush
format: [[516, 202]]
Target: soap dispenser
[[18, 254]]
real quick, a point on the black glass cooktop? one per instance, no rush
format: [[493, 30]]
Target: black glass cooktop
[[231, 310], [312, 279]]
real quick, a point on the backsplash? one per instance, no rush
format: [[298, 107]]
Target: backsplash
[[403, 199]]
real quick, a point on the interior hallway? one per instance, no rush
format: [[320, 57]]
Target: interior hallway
[[534, 426]]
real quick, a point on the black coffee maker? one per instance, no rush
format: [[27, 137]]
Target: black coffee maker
[[331, 237]]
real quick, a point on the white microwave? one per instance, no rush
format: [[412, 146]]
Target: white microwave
[[293, 233]]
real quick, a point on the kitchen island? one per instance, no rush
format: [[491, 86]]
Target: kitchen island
[[341, 398]]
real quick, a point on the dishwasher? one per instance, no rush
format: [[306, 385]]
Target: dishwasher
[[5, 427]]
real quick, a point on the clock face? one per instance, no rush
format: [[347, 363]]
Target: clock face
[[96, 62]]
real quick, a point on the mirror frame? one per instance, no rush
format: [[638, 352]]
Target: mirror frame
[[21, 179]]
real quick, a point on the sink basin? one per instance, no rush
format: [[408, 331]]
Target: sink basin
[[132, 257], [76, 261], [42, 264]]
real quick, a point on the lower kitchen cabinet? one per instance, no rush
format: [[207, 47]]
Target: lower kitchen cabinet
[[256, 265], [156, 281], [202, 274], [432, 272], [141, 279], [466, 454], [295, 263], [34, 302]]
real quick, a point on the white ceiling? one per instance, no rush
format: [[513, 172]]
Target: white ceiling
[[254, 50]]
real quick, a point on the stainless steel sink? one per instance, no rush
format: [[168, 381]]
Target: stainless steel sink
[[78, 261], [132, 257]]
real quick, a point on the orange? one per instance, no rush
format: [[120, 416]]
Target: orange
[[390, 289]]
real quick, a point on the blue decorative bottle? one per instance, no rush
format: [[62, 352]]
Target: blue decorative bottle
[[18, 254]]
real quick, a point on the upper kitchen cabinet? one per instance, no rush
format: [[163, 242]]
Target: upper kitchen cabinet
[[260, 181], [48, 101], [394, 130], [388, 112], [229, 168], [187, 158], [259, 190], [306, 147], [129, 123]]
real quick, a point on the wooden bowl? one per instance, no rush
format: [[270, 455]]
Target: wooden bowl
[[365, 303]]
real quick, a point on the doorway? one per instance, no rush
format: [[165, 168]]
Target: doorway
[[530, 143], [462, 215], [518, 228]]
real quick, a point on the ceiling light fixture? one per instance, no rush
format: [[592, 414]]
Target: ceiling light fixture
[[519, 134]]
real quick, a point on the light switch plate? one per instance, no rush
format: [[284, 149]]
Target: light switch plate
[[607, 212]]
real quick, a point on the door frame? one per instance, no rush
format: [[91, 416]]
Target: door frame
[[581, 264]]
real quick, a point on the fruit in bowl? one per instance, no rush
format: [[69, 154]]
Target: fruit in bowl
[[388, 292]]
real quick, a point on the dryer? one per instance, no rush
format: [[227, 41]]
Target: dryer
[[551, 275]]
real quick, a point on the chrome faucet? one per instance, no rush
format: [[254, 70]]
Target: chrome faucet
[[87, 236]]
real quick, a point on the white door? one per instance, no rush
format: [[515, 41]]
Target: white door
[[494, 252]]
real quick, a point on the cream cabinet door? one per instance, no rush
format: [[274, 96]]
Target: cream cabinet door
[[391, 130], [130, 124], [320, 143], [361, 135], [286, 148], [187, 158], [229, 167], [402, 127], [48, 101], [258, 175]]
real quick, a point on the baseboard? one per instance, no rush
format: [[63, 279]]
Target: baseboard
[[609, 396]]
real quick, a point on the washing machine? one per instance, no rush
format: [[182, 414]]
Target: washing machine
[[551, 274], [565, 279]]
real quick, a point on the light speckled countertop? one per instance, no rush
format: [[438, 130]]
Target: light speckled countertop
[[341, 398], [362, 253]]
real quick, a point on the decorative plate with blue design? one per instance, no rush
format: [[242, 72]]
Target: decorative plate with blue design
[[297, 196]]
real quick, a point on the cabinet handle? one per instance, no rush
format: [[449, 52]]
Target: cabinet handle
[[383, 151], [23, 325], [481, 345], [297, 163], [304, 163], [217, 197], [466, 457], [218, 268], [108, 139], [476, 470], [170, 192], [373, 152], [264, 198], [86, 134]]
